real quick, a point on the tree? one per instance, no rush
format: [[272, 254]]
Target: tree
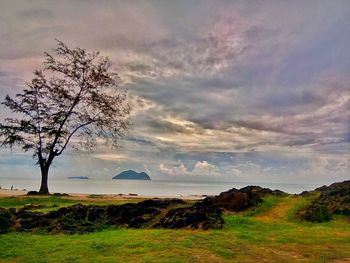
[[73, 101]]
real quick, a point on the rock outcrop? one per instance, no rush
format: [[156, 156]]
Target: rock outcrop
[[169, 213], [332, 200], [132, 175], [86, 218], [201, 215], [237, 200], [78, 177], [156, 213]]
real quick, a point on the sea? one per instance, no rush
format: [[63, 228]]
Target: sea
[[152, 188]]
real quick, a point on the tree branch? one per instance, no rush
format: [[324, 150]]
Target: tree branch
[[58, 133], [72, 133]]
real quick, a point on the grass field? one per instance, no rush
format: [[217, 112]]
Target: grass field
[[269, 233]]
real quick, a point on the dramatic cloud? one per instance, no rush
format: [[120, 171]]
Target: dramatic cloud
[[224, 90]]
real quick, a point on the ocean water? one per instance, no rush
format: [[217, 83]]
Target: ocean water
[[144, 188]]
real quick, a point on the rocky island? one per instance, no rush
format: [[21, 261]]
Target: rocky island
[[78, 177], [132, 175]]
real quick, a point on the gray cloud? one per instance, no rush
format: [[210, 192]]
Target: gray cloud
[[222, 85], [40, 14]]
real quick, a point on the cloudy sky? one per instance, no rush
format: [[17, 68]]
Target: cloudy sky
[[250, 91]]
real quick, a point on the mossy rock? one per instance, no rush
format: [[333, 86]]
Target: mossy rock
[[5, 220], [317, 213]]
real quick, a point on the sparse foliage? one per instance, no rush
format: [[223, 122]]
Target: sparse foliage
[[73, 101]]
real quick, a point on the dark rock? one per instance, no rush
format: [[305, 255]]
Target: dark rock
[[162, 203], [238, 200], [332, 200], [95, 214], [322, 188], [60, 194], [5, 220], [27, 220], [33, 193], [124, 214], [13, 210], [198, 216], [84, 218], [304, 193], [137, 222], [32, 207], [317, 213], [37, 193]]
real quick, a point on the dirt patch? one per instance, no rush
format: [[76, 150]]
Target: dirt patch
[[278, 212]]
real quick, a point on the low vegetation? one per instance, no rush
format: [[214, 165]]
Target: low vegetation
[[327, 201], [50, 203], [273, 230]]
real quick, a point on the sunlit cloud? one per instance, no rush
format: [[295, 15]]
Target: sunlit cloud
[[110, 157], [224, 80]]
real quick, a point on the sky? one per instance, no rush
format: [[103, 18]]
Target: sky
[[238, 91]]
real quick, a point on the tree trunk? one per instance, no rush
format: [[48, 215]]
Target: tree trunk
[[44, 189]]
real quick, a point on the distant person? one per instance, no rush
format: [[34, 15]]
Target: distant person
[[11, 187]]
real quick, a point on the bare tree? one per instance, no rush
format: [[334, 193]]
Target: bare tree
[[74, 100]]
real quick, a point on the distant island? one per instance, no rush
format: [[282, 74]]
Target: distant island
[[78, 177], [132, 175]]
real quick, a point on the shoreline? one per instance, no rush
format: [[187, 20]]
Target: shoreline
[[81, 196]]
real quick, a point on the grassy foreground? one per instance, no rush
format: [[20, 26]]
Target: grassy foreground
[[269, 233]]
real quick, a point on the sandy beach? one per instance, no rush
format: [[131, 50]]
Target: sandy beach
[[8, 192], [79, 196]]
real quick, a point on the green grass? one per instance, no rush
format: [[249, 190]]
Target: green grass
[[267, 234], [301, 203], [54, 202], [42, 200], [269, 202]]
